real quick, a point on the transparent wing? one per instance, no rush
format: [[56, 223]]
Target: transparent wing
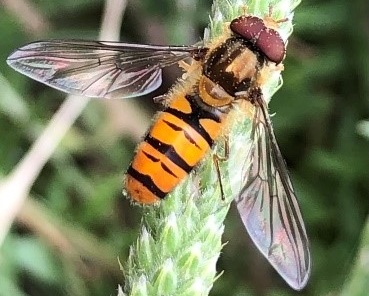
[[97, 69], [268, 206]]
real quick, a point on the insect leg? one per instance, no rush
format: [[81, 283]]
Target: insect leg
[[185, 66], [218, 158], [162, 99], [269, 17]]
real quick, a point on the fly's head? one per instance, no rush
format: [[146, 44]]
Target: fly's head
[[238, 64], [265, 39]]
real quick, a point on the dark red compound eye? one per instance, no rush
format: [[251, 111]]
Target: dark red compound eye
[[271, 44], [249, 27], [267, 40]]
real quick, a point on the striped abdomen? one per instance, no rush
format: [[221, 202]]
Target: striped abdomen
[[178, 140]]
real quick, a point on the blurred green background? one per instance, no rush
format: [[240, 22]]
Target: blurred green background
[[76, 223]]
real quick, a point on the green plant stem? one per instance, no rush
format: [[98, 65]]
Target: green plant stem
[[180, 239]]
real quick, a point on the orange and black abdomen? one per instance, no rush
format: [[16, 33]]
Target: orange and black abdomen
[[178, 140], [186, 130]]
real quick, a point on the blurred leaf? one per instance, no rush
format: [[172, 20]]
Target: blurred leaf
[[12, 104], [35, 258], [363, 128]]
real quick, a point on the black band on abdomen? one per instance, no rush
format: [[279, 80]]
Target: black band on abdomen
[[147, 182]]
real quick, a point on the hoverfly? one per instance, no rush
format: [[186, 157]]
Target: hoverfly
[[222, 73]]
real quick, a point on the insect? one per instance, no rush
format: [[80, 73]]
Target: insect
[[222, 73]]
